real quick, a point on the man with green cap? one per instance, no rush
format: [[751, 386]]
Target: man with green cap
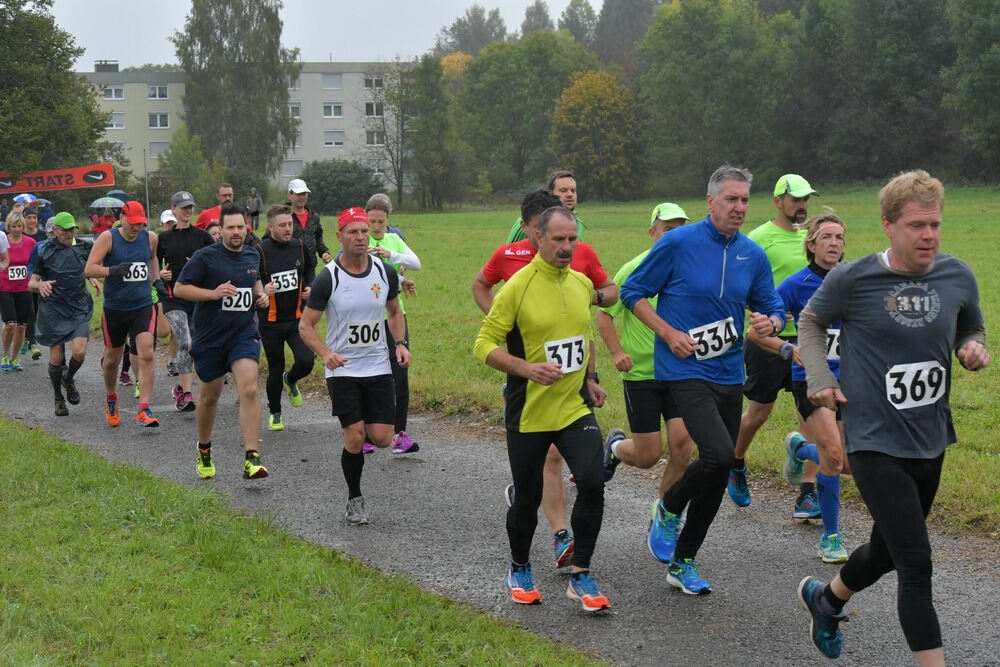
[[767, 374], [64, 306]]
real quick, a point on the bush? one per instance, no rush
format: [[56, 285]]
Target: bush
[[339, 184]]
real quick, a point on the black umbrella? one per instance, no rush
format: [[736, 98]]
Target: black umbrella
[[119, 194]]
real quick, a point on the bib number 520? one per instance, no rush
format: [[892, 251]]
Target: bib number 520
[[713, 339], [913, 385], [568, 353], [239, 302]]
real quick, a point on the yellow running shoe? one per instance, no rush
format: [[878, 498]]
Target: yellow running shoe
[[253, 468], [205, 466]]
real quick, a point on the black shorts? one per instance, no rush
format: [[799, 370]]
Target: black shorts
[[368, 399], [802, 402], [645, 402], [122, 325], [767, 373], [211, 362], [16, 307]]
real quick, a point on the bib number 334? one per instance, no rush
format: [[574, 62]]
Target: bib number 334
[[711, 340], [913, 385], [568, 353]]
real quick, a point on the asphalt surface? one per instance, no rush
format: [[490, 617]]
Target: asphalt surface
[[438, 519]]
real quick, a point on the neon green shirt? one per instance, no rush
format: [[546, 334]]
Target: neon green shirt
[[401, 258], [785, 251], [637, 338]]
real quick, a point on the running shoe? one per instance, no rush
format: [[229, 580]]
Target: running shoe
[[145, 418], [186, 402], [72, 395], [684, 575], [824, 627], [274, 422], [24, 347], [176, 392], [831, 549], [292, 389], [664, 527], [401, 444], [610, 460], [111, 413], [205, 466], [793, 467], [61, 410], [5, 364], [172, 369], [583, 589], [124, 379], [253, 468], [737, 488], [522, 585], [562, 545], [807, 507], [36, 354], [355, 513], [367, 448], [15, 365], [508, 495]]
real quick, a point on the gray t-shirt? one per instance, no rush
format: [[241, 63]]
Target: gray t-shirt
[[898, 332]]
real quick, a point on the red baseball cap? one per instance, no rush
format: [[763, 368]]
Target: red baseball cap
[[349, 215], [134, 212]]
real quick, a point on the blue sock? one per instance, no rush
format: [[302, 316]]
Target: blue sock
[[829, 502], [808, 452]]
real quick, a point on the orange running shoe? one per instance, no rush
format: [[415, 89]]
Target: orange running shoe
[[583, 589], [146, 418], [111, 412], [522, 585]]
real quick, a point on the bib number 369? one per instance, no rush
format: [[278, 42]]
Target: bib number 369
[[239, 302], [713, 339], [568, 353], [913, 385]]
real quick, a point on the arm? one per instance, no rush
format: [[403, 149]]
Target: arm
[[190, 292], [260, 295], [679, 342], [307, 330], [597, 395], [154, 265], [94, 267], [321, 248], [482, 292], [608, 294], [606, 327], [4, 260], [43, 287], [397, 327]]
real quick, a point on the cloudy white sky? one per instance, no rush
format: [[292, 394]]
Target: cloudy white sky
[[135, 32]]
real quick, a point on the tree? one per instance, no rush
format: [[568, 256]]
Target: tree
[[595, 134], [49, 116], [386, 116], [580, 20], [620, 27], [183, 163], [536, 18], [976, 75], [470, 33], [237, 81], [152, 67], [339, 184]]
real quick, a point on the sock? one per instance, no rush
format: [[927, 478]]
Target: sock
[[74, 366], [205, 447], [835, 603], [804, 488], [112, 397], [560, 533], [55, 377], [143, 406], [739, 464], [172, 360], [614, 448], [352, 465], [829, 501], [250, 453], [808, 452]]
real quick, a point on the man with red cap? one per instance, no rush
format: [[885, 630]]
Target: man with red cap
[[355, 291]]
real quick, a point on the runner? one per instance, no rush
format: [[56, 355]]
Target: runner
[[543, 315], [223, 280], [223, 195], [705, 275], [563, 185], [286, 283], [646, 398], [64, 307], [167, 222], [903, 312], [32, 230], [125, 257], [16, 305], [359, 296], [309, 228]]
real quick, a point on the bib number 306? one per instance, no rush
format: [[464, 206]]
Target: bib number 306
[[364, 334], [913, 385], [239, 302], [713, 339], [568, 353]]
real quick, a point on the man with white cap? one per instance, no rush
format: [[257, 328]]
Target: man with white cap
[[306, 223]]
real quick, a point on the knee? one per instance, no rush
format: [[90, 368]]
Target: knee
[[553, 460], [832, 462], [756, 413]]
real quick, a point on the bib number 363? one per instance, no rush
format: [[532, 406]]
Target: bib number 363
[[137, 272], [713, 339], [913, 385], [568, 353], [239, 302]]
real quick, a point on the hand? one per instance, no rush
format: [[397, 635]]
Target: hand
[[327, 257], [409, 287], [796, 357], [828, 398], [544, 373], [119, 270], [224, 290], [597, 394], [681, 344], [270, 289], [305, 292], [332, 360], [761, 325], [380, 251], [403, 357], [45, 287], [263, 300], [166, 273], [161, 290], [973, 356], [623, 362]]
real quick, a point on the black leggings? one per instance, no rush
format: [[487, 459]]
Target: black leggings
[[711, 413], [898, 493], [29, 330], [401, 378], [580, 444], [273, 336]]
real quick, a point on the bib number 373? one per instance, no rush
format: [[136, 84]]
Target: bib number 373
[[568, 353], [913, 385], [239, 302], [711, 340]]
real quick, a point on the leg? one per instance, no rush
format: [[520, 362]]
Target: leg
[[273, 341], [526, 453], [679, 444], [181, 327], [245, 376], [8, 336], [752, 419], [303, 357], [553, 490], [17, 338], [144, 371], [401, 380], [204, 416], [580, 443], [109, 369]]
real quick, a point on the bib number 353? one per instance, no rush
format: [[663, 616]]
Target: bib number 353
[[568, 353], [913, 385], [711, 340]]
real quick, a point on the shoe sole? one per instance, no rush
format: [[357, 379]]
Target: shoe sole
[[153, 424], [804, 515], [275, 428], [260, 474], [583, 603], [804, 605], [414, 448], [677, 583], [508, 495], [786, 468], [205, 476], [566, 557], [832, 559], [363, 521]]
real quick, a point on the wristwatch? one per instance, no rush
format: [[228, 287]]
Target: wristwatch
[[594, 376], [786, 350], [403, 342]]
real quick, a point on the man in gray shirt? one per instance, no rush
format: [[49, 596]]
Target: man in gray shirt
[[902, 311]]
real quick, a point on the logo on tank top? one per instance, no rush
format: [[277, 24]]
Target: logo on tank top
[[913, 304], [376, 288]]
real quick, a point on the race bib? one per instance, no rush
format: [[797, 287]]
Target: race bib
[[913, 385], [833, 344], [17, 273], [364, 334], [713, 339], [568, 353], [239, 302], [137, 272], [285, 281]]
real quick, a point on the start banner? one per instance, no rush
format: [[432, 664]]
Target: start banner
[[93, 176]]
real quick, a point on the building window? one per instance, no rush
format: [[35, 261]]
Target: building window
[[298, 140], [374, 109], [378, 167], [116, 120], [333, 81], [157, 149], [333, 110], [295, 110], [293, 84], [333, 137], [373, 81], [375, 138], [159, 120], [156, 92], [114, 92], [291, 167]]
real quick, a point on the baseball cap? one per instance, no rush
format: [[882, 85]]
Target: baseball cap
[[298, 186], [167, 216], [667, 211], [793, 184], [134, 212], [182, 199], [349, 215], [64, 220]]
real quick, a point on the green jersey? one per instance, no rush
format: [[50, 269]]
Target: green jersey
[[517, 234], [786, 253], [637, 338], [401, 258]]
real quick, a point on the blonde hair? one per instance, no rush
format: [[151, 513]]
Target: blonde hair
[[916, 185], [812, 227], [15, 218]]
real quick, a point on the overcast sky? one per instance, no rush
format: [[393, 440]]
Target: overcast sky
[[135, 32]]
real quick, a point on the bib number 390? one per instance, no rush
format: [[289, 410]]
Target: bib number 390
[[17, 273], [913, 385], [713, 339], [137, 272], [568, 353], [364, 334], [239, 302]]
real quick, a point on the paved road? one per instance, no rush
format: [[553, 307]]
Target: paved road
[[438, 518]]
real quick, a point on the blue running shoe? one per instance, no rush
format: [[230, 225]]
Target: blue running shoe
[[793, 466], [583, 589], [522, 585], [684, 575], [807, 507], [563, 544], [737, 487], [610, 460], [663, 530], [823, 627]]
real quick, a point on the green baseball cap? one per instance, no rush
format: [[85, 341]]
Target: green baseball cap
[[64, 220], [793, 184], [667, 211]]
